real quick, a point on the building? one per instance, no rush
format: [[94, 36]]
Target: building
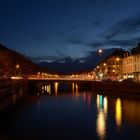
[[131, 65], [111, 67], [120, 65]]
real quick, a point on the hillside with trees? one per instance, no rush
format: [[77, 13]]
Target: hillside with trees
[[13, 63]]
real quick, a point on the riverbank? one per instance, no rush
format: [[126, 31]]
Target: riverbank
[[116, 87]]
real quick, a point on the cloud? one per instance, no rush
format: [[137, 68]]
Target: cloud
[[124, 43], [125, 34], [96, 23], [48, 58], [126, 27], [73, 40], [114, 43]]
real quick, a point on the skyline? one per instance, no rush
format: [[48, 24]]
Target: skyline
[[51, 30]]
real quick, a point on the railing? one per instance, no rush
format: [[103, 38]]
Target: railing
[[61, 79]]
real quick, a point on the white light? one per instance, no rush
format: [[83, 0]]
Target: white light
[[100, 51], [16, 77]]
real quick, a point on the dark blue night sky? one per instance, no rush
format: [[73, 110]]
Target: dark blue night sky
[[55, 29]]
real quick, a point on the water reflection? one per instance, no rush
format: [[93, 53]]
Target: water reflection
[[73, 87], [118, 112], [105, 105], [131, 111], [102, 106], [76, 88], [17, 96], [71, 116], [56, 84], [101, 125], [87, 98], [55, 87], [14, 99], [46, 89]]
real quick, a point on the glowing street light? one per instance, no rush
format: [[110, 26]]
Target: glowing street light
[[100, 51], [17, 69], [17, 66], [117, 59]]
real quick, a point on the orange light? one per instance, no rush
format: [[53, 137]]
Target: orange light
[[17, 66], [117, 59]]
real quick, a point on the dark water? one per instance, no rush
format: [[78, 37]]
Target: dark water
[[47, 113]]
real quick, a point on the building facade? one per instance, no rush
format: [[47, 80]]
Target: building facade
[[110, 68], [131, 67]]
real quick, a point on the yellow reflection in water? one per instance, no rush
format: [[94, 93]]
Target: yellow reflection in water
[[118, 112], [56, 87], [76, 90], [101, 125], [73, 88], [105, 105], [98, 102], [49, 89], [45, 88], [102, 108], [42, 89], [76, 86]]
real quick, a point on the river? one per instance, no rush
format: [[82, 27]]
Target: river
[[67, 112]]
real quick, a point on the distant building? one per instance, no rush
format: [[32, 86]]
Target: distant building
[[120, 64], [131, 64], [111, 67]]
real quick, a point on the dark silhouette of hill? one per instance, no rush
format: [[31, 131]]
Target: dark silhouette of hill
[[9, 59]]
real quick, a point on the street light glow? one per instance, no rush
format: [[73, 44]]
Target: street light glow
[[117, 59], [17, 66], [100, 51]]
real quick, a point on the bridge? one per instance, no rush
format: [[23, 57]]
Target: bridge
[[54, 77]]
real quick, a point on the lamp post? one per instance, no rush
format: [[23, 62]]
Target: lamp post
[[17, 69]]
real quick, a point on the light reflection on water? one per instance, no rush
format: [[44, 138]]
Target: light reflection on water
[[73, 114], [56, 84], [118, 112], [101, 116]]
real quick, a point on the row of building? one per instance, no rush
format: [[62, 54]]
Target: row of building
[[120, 65]]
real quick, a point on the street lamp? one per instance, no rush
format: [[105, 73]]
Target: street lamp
[[117, 59], [17, 66], [100, 51]]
